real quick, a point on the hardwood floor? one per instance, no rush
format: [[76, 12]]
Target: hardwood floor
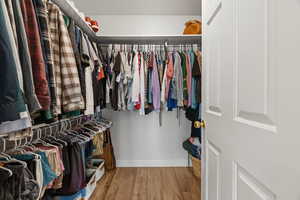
[[148, 184]]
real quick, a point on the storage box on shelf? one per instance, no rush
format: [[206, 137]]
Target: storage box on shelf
[[96, 170]]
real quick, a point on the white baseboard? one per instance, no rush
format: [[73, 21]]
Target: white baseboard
[[152, 163]]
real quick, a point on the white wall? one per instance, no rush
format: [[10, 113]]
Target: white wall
[[146, 25], [138, 140], [139, 7]]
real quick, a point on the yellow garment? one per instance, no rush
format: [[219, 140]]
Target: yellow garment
[[98, 143]]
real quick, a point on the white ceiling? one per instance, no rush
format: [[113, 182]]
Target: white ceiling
[[139, 7]]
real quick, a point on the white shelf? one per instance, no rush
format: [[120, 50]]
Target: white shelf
[[68, 10]]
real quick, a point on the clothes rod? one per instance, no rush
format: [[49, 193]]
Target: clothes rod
[[52, 129], [172, 40]]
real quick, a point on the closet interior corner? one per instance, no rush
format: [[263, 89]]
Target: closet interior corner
[[89, 115]]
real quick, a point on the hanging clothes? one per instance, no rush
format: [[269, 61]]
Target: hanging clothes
[[38, 63], [149, 80], [135, 98], [68, 90], [155, 85], [116, 80], [189, 79], [50, 165], [89, 109], [142, 83], [42, 19], [25, 59], [77, 39], [11, 100]]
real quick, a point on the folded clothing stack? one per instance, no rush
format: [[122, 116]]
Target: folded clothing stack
[[193, 147]]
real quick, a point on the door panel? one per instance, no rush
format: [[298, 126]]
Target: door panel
[[251, 95], [213, 98], [255, 78], [213, 61], [213, 172], [246, 186], [212, 9]]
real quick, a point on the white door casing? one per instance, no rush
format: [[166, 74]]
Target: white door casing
[[251, 99]]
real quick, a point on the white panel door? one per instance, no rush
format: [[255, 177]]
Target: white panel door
[[251, 80]]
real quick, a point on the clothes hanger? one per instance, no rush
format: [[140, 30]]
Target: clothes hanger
[[87, 134], [2, 154], [45, 141], [102, 124], [10, 173], [89, 130], [50, 133], [52, 140], [17, 148], [3, 144], [105, 121], [59, 140], [62, 129], [28, 142], [78, 135], [70, 132], [23, 146], [32, 149], [39, 140], [96, 124], [13, 160]]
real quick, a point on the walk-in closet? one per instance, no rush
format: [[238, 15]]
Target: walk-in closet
[[97, 104], [149, 99]]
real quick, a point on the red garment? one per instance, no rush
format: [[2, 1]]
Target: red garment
[[170, 73], [151, 61], [38, 63], [101, 74]]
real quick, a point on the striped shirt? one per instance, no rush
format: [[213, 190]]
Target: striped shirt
[[68, 90]]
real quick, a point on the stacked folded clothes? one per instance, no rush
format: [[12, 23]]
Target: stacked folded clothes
[[193, 147]]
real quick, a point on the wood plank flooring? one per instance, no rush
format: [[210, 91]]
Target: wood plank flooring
[[148, 184]]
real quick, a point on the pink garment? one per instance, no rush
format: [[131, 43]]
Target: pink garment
[[59, 166], [155, 86], [56, 164], [189, 78], [170, 73]]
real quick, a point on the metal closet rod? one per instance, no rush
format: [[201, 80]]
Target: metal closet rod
[[69, 11], [159, 40], [43, 130]]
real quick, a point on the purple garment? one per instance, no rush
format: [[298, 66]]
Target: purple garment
[[155, 86]]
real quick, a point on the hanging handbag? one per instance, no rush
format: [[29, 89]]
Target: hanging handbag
[[108, 152]]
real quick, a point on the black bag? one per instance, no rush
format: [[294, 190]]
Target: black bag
[[192, 114]]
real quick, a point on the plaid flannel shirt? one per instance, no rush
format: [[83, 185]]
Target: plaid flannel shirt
[[38, 63], [42, 17], [68, 90]]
